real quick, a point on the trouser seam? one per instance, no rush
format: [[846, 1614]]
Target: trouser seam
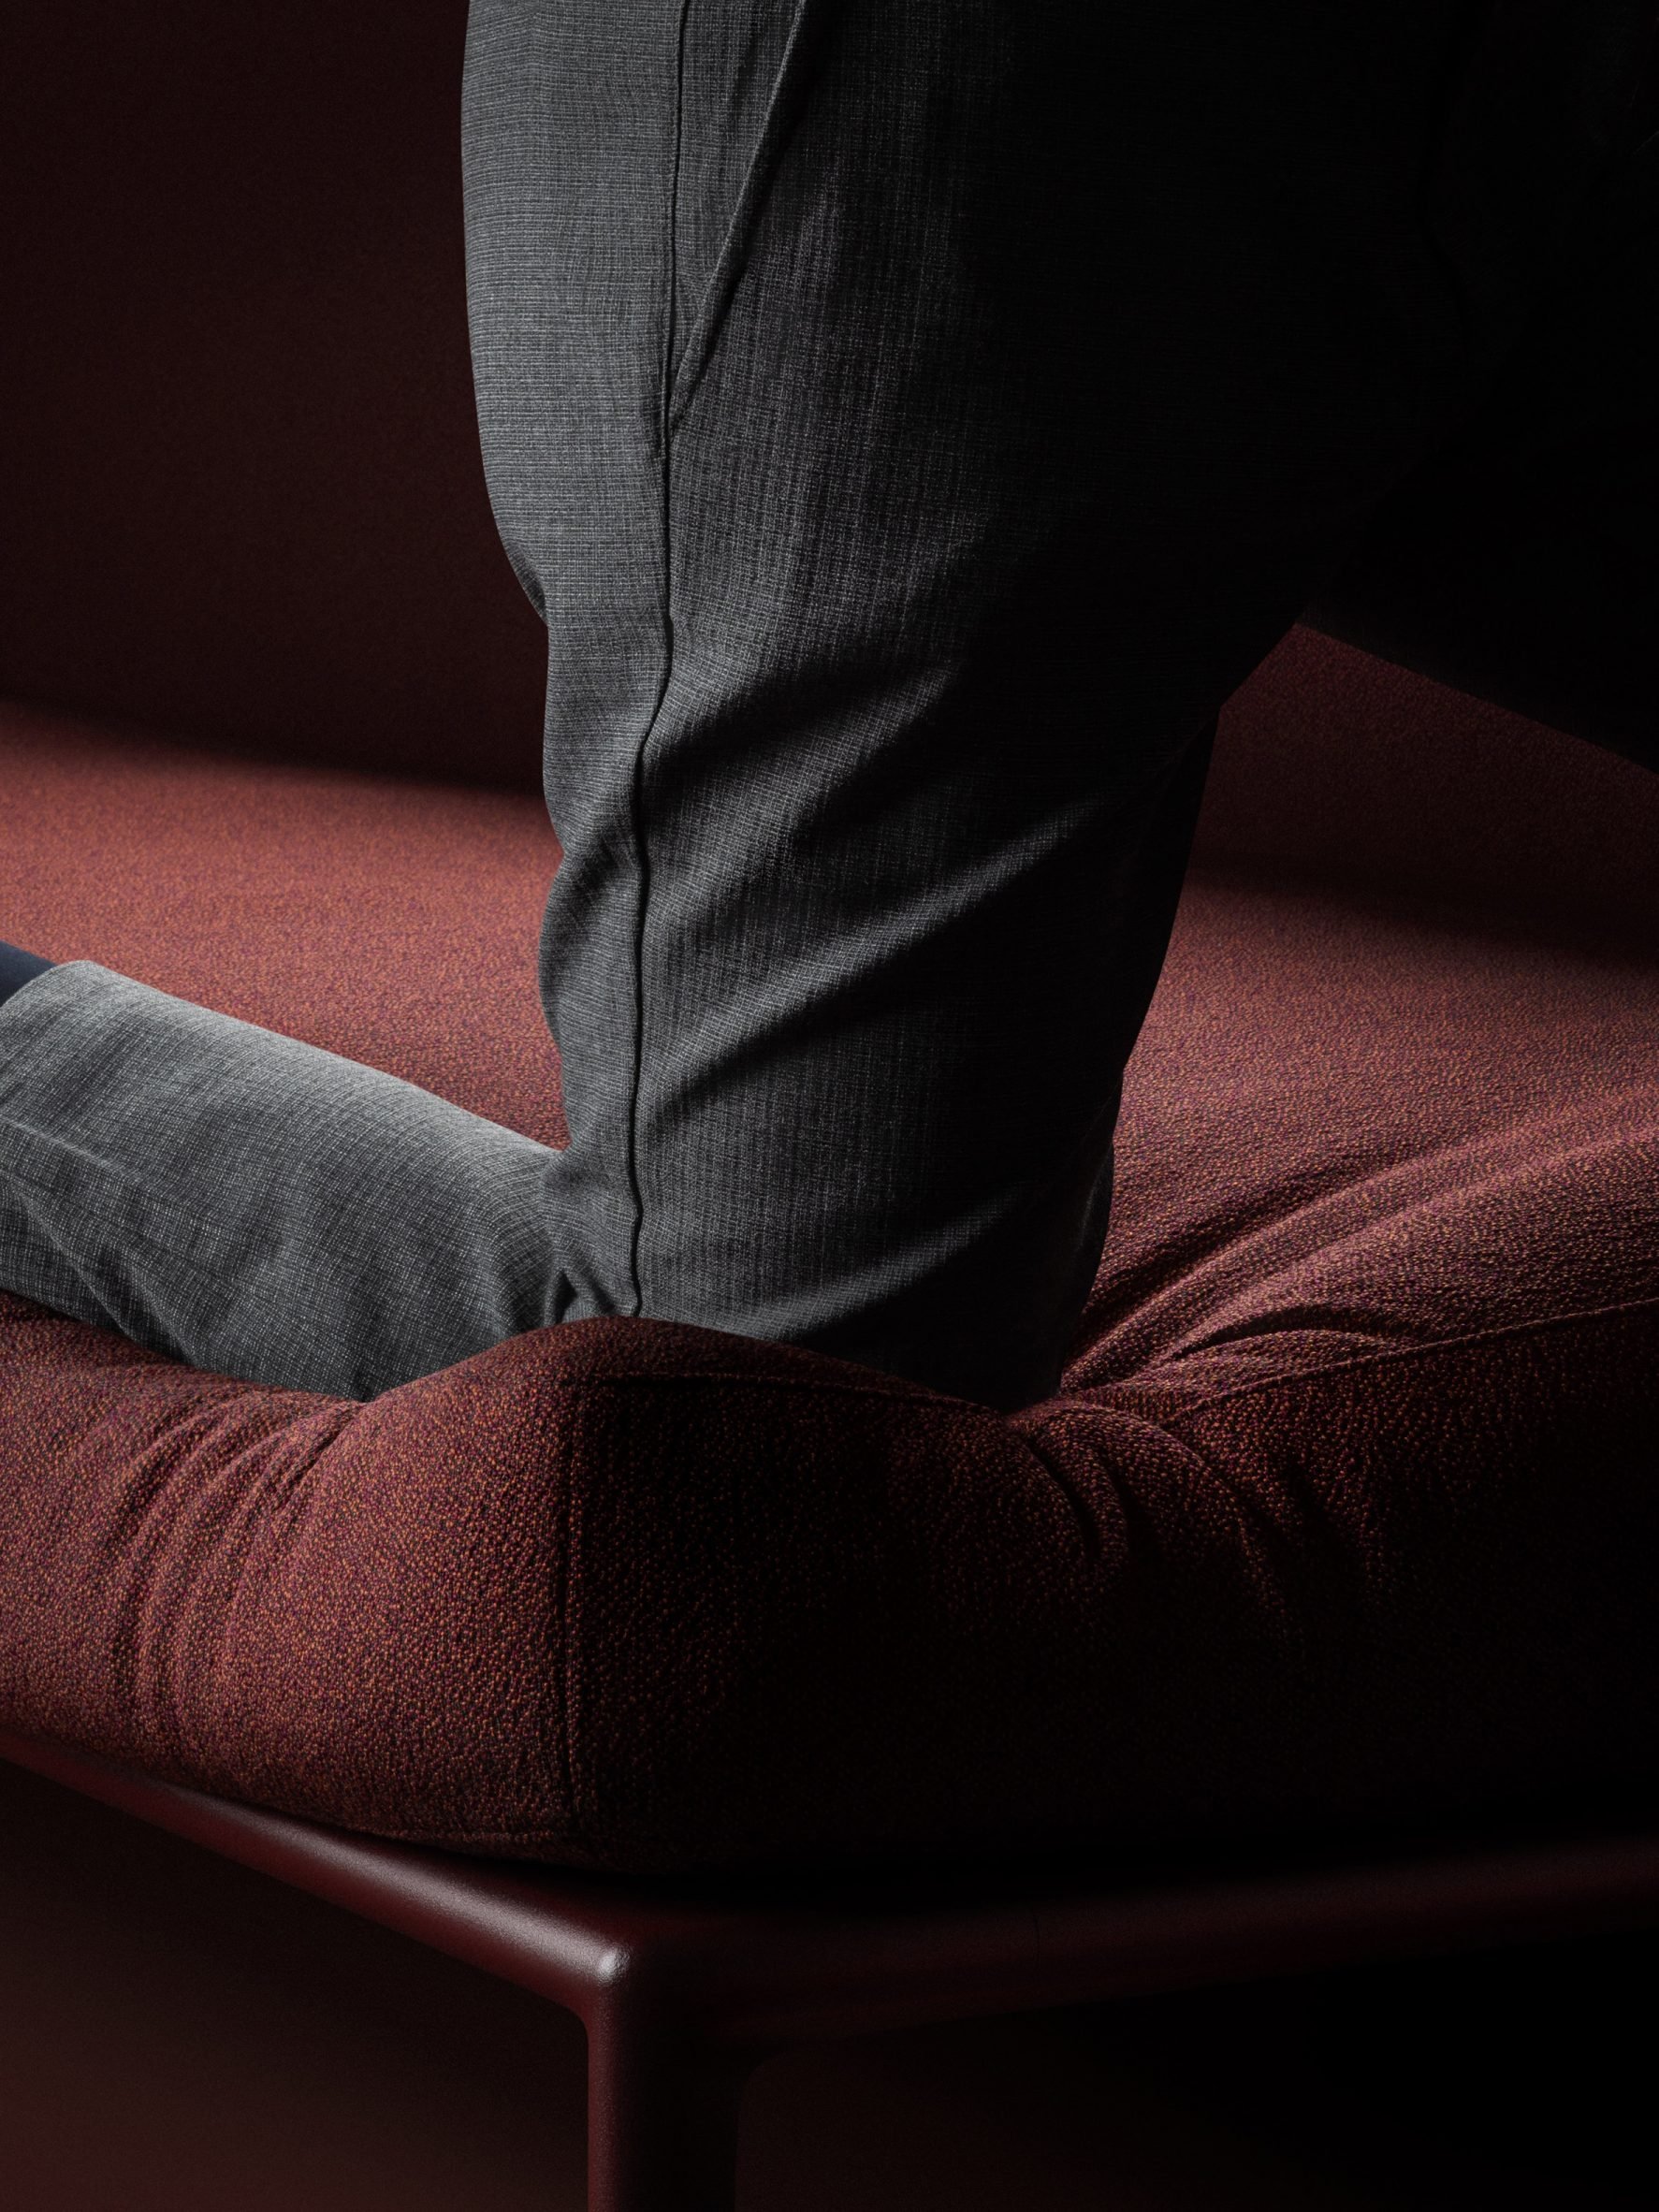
[[637, 787]]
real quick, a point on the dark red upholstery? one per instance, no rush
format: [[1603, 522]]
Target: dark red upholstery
[[1344, 1513], [1346, 1510]]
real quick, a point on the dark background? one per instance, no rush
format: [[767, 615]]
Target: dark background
[[241, 491]]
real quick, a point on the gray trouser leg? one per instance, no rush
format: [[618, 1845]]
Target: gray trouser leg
[[251, 1204], [912, 423]]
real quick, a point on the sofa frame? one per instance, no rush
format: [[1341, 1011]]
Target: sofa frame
[[683, 1993]]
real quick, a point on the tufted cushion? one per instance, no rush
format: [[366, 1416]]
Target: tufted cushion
[[1344, 1513]]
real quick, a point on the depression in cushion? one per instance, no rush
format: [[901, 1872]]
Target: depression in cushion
[[1345, 1509]]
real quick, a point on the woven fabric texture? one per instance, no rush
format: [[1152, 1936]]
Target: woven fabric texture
[[1343, 1513]]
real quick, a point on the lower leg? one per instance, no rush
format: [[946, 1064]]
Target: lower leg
[[252, 1204], [912, 424]]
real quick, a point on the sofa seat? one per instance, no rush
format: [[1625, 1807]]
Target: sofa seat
[[1342, 1515]]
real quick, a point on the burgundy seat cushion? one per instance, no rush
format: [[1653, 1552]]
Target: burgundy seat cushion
[[1346, 1511]]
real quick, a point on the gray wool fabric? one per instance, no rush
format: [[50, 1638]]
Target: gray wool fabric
[[911, 424]]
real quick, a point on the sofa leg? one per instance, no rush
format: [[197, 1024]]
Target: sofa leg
[[662, 2117]]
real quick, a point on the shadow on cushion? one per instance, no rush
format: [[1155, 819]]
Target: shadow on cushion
[[1343, 1514]]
